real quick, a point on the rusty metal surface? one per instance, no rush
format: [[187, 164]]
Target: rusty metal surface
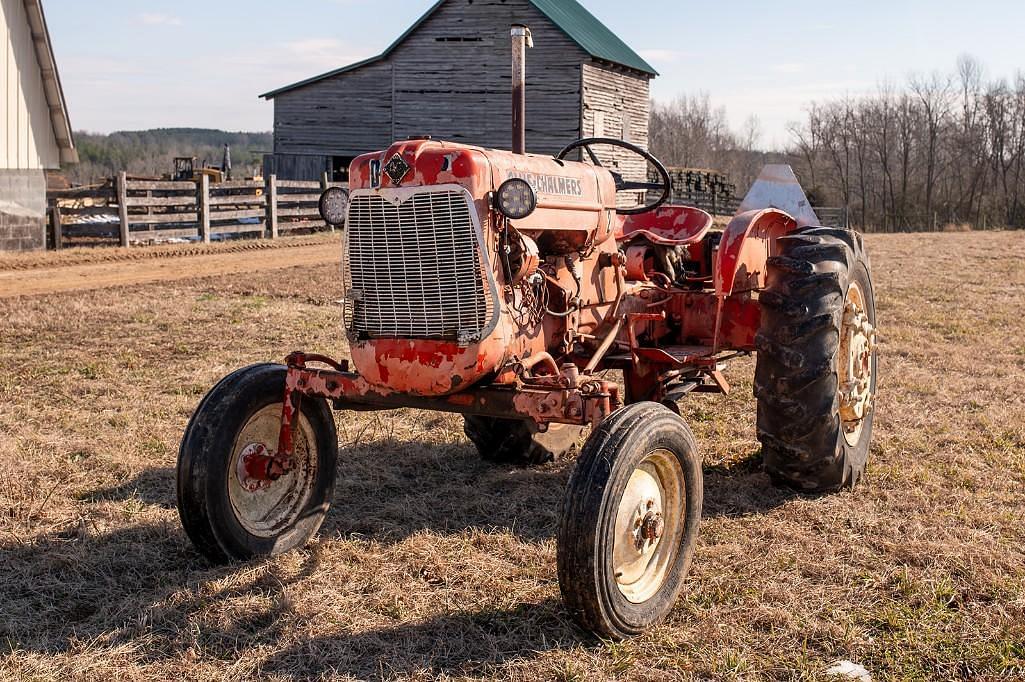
[[569, 304], [747, 243], [587, 401]]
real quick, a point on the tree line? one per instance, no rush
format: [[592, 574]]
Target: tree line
[[947, 149], [151, 153], [942, 150]]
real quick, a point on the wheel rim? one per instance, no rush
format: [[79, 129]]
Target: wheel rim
[[267, 509], [855, 367], [649, 526]]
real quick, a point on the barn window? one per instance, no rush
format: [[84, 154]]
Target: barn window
[[340, 168]]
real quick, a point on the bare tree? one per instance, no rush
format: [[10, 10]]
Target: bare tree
[[942, 149], [935, 97]]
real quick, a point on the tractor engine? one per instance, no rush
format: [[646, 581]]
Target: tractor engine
[[462, 263]]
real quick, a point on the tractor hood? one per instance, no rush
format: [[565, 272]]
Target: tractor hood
[[575, 199]]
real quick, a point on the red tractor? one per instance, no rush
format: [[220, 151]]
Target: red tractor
[[505, 286]]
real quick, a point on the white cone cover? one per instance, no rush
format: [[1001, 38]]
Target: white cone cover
[[777, 187]]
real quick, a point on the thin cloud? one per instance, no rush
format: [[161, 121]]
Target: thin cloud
[[791, 67], [317, 49], [156, 19], [663, 56]]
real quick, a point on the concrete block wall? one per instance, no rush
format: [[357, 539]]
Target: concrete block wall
[[22, 210]]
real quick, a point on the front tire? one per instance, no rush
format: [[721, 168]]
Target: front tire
[[816, 373], [630, 521], [228, 516]]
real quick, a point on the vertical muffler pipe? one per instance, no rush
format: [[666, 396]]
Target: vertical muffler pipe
[[521, 40]]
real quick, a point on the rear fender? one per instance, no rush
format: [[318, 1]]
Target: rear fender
[[748, 242]]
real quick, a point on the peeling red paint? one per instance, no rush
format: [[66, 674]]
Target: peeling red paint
[[595, 304], [746, 245], [428, 354]]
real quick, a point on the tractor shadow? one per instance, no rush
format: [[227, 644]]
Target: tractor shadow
[[85, 583], [742, 488], [390, 490], [457, 645], [146, 581], [154, 486]]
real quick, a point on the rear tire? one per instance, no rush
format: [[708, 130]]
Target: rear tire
[[225, 520], [630, 521], [518, 442], [818, 314]]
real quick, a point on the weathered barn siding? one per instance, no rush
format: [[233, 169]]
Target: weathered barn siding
[[296, 166], [619, 103], [453, 77], [345, 115], [450, 78], [28, 141]]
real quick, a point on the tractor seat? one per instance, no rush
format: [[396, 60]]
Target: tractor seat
[[667, 225]]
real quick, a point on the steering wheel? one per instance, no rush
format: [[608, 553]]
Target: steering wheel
[[623, 185]]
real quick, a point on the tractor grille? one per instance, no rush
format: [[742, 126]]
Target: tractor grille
[[415, 270]]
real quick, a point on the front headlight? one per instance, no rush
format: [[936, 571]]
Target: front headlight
[[516, 199]]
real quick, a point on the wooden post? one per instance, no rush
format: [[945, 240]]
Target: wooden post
[[325, 182], [204, 207], [271, 193], [58, 230], [122, 206]]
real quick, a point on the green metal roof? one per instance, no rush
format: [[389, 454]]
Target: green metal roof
[[593, 36], [570, 16]]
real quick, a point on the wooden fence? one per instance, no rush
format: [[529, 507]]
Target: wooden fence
[[136, 211]]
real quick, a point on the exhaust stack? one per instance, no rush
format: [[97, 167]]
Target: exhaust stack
[[521, 40]]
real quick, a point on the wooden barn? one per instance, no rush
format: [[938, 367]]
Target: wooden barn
[[33, 122], [449, 76]]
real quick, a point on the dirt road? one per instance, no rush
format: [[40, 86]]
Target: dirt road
[[42, 278]]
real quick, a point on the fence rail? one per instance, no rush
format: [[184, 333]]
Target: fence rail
[[135, 211], [833, 216]]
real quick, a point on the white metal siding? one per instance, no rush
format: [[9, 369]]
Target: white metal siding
[[27, 141]]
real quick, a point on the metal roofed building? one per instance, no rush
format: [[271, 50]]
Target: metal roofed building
[[449, 76], [34, 121]]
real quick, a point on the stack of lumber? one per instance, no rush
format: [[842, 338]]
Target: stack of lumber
[[708, 190]]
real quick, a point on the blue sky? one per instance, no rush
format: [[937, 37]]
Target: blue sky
[[132, 65]]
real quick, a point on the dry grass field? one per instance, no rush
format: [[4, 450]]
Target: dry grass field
[[433, 564]]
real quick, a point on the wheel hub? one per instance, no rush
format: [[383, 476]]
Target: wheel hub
[[649, 525], [857, 346], [257, 468], [652, 527], [266, 493]]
